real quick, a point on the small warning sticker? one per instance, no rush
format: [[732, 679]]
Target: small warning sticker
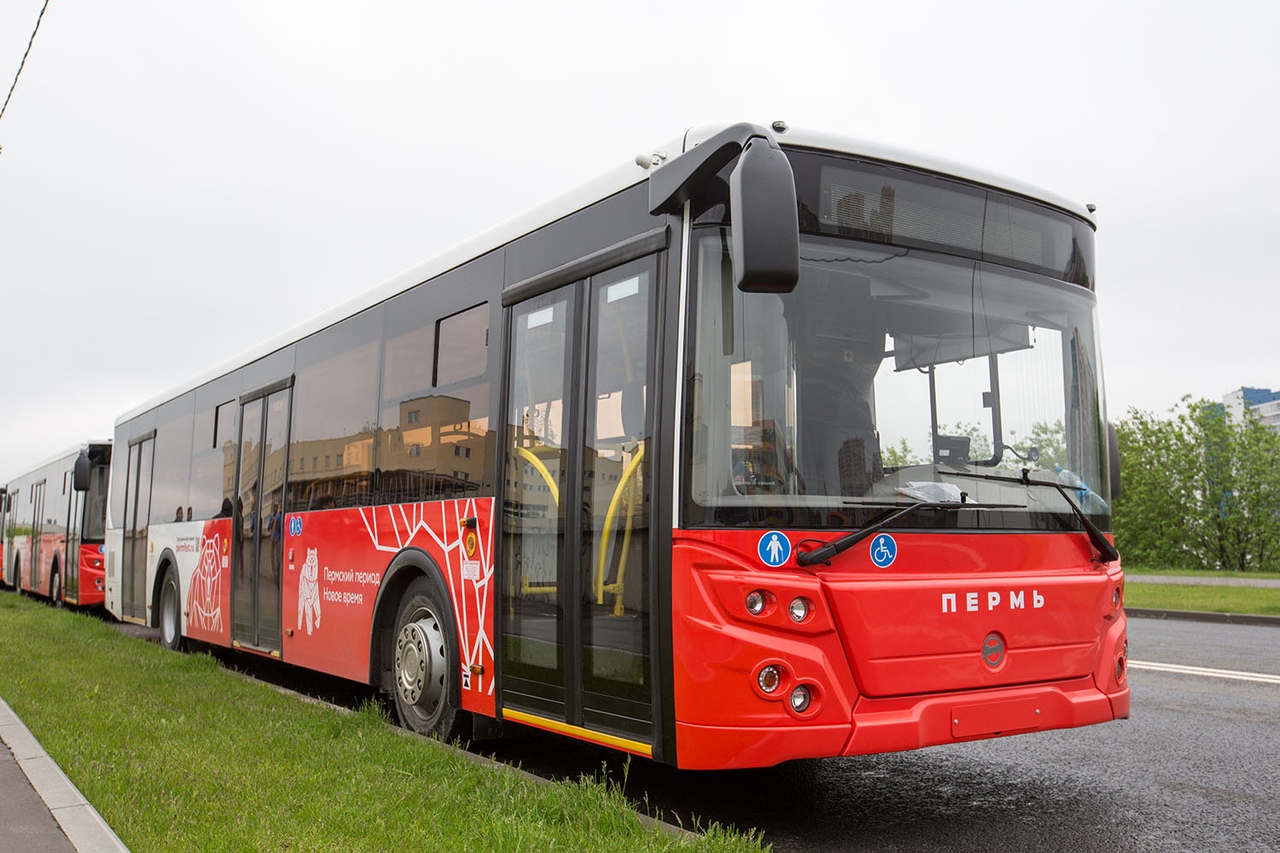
[[471, 570]]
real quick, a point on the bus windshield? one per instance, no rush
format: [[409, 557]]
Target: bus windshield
[[891, 375]]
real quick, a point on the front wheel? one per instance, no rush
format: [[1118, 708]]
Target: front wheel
[[170, 615], [425, 663]]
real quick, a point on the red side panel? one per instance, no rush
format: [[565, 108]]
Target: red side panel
[[209, 589], [334, 562], [51, 544], [20, 552]]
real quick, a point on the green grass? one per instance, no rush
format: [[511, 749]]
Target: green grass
[[1214, 599], [1133, 569], [177, 753]]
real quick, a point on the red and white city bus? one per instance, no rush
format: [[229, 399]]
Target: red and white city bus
[[52, 526], [771, 445]]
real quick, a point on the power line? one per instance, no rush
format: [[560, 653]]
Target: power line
[[24, 58]]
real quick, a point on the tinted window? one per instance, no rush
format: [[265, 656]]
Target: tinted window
[[434, 442], [124, 434], [877, 203], [462, 343], [213, 459], [335, 412], [172, 461]]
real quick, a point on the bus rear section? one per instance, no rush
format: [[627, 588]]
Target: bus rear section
[[895, 478]]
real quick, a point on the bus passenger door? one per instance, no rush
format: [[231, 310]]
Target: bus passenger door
[[257, 541], [137, 512], [71, 545], [37, 530], [575, 567], [536, 504]]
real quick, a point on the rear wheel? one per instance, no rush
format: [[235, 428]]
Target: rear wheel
[[170, 614], [425, 663], [55, 587]]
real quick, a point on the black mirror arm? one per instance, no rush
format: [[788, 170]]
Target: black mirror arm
[[681, 179]]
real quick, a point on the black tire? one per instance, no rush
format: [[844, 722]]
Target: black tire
[[169, 612], [424, 663], [55, 588]]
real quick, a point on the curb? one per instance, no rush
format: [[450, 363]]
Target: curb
[[1205, 616], [80, 821]]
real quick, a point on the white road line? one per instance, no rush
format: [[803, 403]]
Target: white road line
[[1204, 671]]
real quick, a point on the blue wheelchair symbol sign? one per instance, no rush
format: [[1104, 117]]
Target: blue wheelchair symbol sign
[[295, 526], [884, 550], [774, 548]]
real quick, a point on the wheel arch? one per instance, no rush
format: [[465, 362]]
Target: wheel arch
[[407, 566], [164, 563]]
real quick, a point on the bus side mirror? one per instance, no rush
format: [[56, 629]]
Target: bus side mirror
[[765, 244], [1113, 456], [81, 474], [763, 212]]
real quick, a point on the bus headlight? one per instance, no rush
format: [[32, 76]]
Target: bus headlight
[[800, 698], [799, 609], [755, 602]]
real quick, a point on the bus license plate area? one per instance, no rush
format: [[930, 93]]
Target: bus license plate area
[[990, 718]]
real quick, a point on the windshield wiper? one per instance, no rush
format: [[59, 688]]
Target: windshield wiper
[[823, 553], [1105, 549]]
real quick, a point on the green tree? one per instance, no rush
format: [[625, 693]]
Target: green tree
[[1051, 440], [1201, 490], [900, 455], [979, 439]]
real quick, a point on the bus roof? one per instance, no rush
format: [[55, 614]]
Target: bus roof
[[604, 186], [70, 453]]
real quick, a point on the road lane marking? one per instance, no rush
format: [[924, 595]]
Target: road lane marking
[[1179, 669]]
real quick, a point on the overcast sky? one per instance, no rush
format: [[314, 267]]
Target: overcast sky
[[181, 181]]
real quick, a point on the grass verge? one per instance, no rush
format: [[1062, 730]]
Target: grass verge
[[1130, 569], [1214, 599], [177, 753]]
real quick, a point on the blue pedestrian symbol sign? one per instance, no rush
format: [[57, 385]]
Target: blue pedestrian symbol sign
[[883, 550], [774, 548], [295, 526]]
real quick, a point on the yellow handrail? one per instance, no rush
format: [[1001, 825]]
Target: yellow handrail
[[527, 455], [623, 485]]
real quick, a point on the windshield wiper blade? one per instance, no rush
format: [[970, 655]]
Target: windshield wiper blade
[[824, 553], [1099, 540]]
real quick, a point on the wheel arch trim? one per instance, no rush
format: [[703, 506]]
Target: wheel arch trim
[[405, 567]]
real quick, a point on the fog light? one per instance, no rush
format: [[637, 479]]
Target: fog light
[[769, 679], [800, 699], [1115, 597], [1120, 669], [799, 609], [755, 602]]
